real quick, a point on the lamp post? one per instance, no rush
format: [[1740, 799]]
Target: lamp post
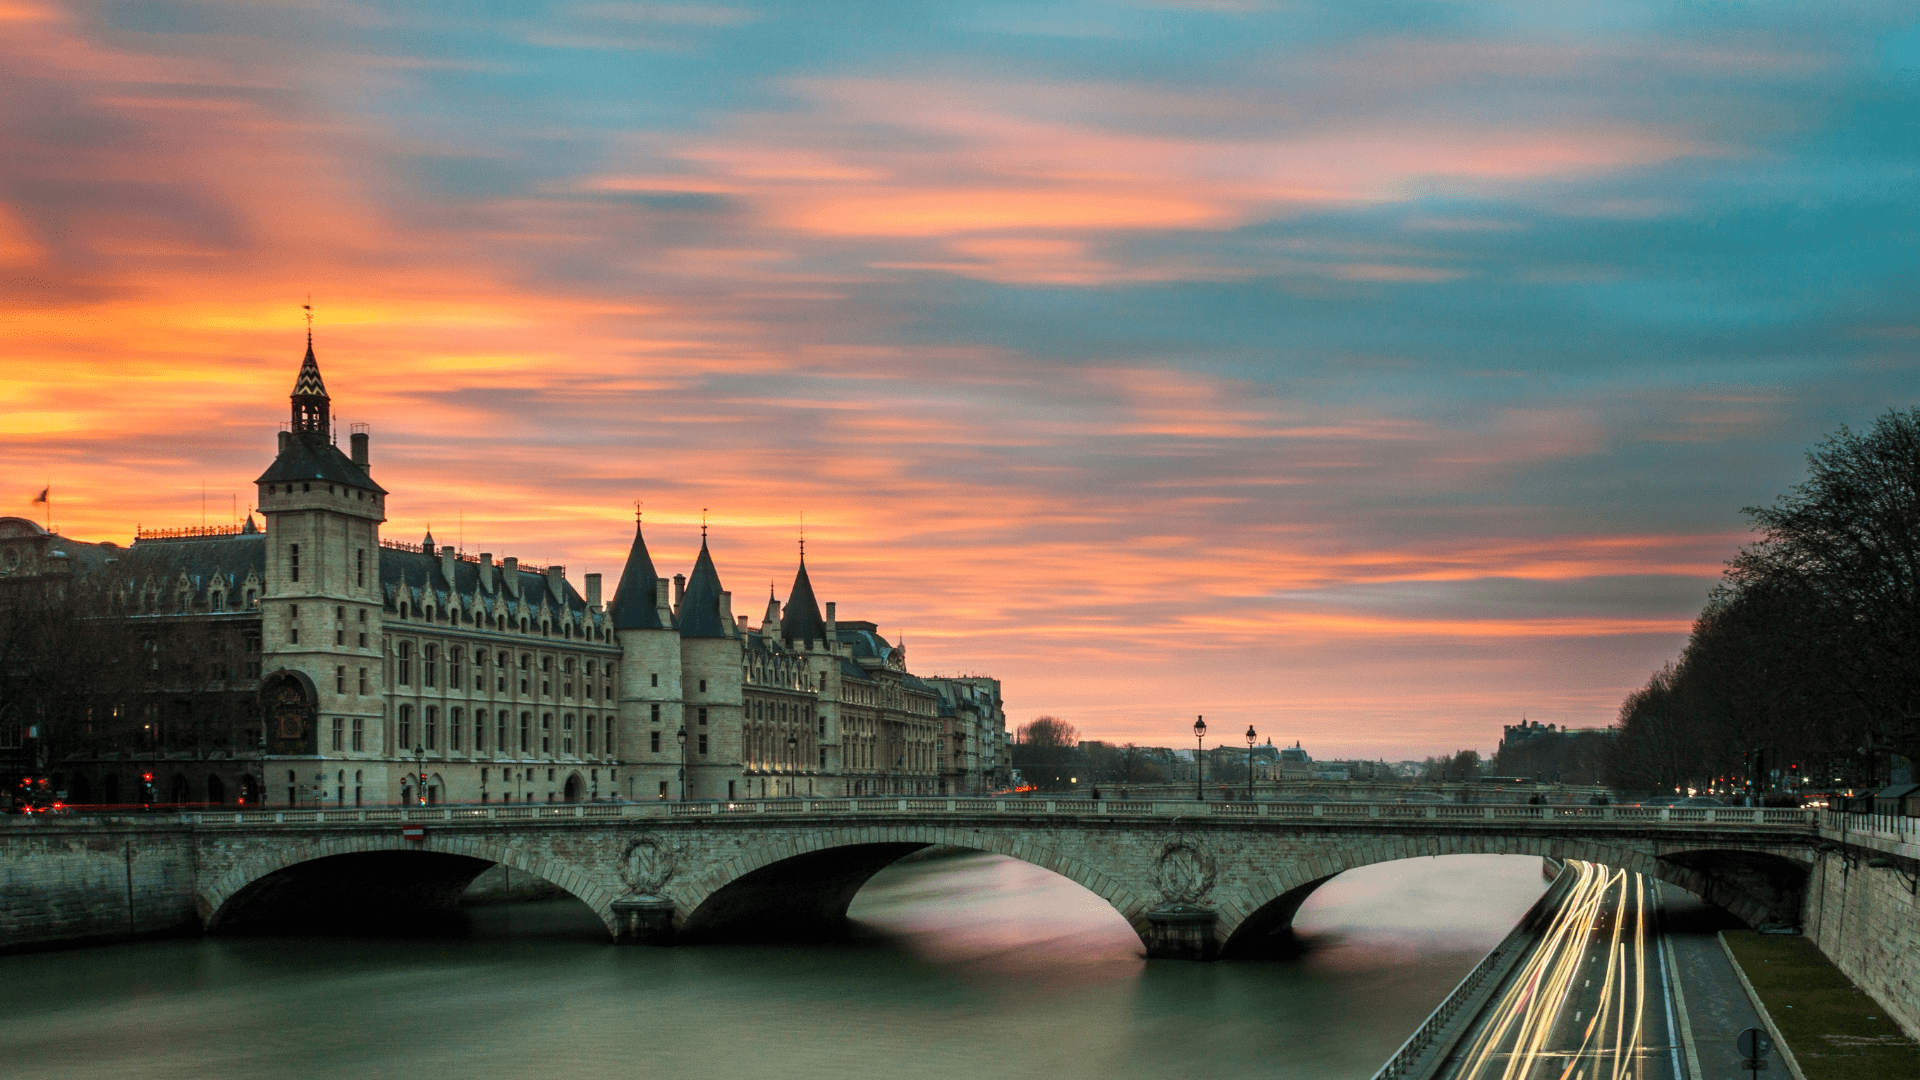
[[420, 774], [681, 736], [1199, 763], [1250, 737], [793, 762]]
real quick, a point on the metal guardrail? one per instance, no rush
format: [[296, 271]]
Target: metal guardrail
[[1064, 808], [1498, 959]]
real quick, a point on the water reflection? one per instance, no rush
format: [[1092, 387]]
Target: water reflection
[[964, 967]]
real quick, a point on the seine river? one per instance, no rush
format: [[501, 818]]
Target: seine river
[[975, 966]]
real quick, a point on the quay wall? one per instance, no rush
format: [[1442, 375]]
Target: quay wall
[[62, 885], [1866, 919]]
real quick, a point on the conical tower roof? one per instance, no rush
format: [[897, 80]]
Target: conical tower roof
[[700, 607], [308, 383], [634, 602], [802, 621]]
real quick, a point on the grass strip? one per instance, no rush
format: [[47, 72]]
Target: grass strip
[[1836, 1030]]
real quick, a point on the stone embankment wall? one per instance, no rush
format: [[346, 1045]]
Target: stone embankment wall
[[1867, 920], [66, 885]]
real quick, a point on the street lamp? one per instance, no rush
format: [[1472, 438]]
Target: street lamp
[[420, 774], [682, 737], [793, 762], [1250, 737], [1199, 763]]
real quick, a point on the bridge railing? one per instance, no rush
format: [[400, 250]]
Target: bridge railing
[[1895, 827], [1497, 813]]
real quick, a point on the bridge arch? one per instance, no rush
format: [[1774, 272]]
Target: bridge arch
[[800, 886], [220, 898], [1759, 883]]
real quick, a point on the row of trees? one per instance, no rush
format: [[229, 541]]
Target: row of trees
[[1810, 646]]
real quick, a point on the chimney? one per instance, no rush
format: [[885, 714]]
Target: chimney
[[830, 638], [742, 621], [679, 589], [286, 440], [446, 565], [486, 571], [360, 450], [510, 573], [593, 591], [557, 585], [660, 605], [726, 610]]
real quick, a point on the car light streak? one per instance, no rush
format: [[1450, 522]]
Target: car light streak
[[1558, 1019]]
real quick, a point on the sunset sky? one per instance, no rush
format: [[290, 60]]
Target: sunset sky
[[1370, 373]]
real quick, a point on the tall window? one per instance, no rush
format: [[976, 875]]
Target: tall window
[[455, 718], [610, 736], [339, 683], [479, 730], [703, 744], [526, 731], [566, 734], [406, 727], [655, 714], [293, 562], [339, 733], [429, 664], [406, 664], [703, 720], [593, 725], [546, 733], [655, 746], [500, 744], [453, 669], [363, 680], [360, 566], [432, 726], [359, 733]]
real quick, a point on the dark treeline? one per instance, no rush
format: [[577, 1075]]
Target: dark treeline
[[1809, 649]]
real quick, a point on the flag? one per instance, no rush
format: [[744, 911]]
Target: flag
[[42, 497]]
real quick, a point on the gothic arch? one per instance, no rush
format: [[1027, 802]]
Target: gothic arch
[[1267, 905], [707, 904], [214, 901]]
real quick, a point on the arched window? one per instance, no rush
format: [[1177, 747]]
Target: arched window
[[526, 731], [406, 728], [405, 665], [455, 719], [429, 664]]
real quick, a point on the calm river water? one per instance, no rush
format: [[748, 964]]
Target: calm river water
[[975, 966]]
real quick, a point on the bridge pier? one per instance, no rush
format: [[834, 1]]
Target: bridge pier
[[643, 920], [1181, 933]]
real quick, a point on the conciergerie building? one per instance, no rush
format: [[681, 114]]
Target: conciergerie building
[[314, 663]]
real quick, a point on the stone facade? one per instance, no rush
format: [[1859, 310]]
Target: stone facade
[[332, 667]]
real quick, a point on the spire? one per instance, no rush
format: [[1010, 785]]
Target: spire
[[426, 544], [802, 621], [700, 607], [771, 621], [311, 406], [633, 601]]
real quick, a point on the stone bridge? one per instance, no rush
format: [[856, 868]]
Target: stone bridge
[[1195, 880]]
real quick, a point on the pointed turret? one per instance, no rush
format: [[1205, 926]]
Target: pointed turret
[[770, 622], [802, 621], [311, 406], [633, 601], [426, 543], [700, 614]]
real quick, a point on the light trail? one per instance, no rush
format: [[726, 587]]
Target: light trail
[[1561, 1019]]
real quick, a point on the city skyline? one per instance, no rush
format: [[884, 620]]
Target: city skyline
[[1371, 383]]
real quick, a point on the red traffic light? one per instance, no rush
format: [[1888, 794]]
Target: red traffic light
[[147, 777]]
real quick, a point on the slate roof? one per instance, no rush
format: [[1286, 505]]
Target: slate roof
[[700, 606], [308, 383], [308, 456], [800, 620], [635, 601], [222, 560], [865, 643], [418, 579]]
